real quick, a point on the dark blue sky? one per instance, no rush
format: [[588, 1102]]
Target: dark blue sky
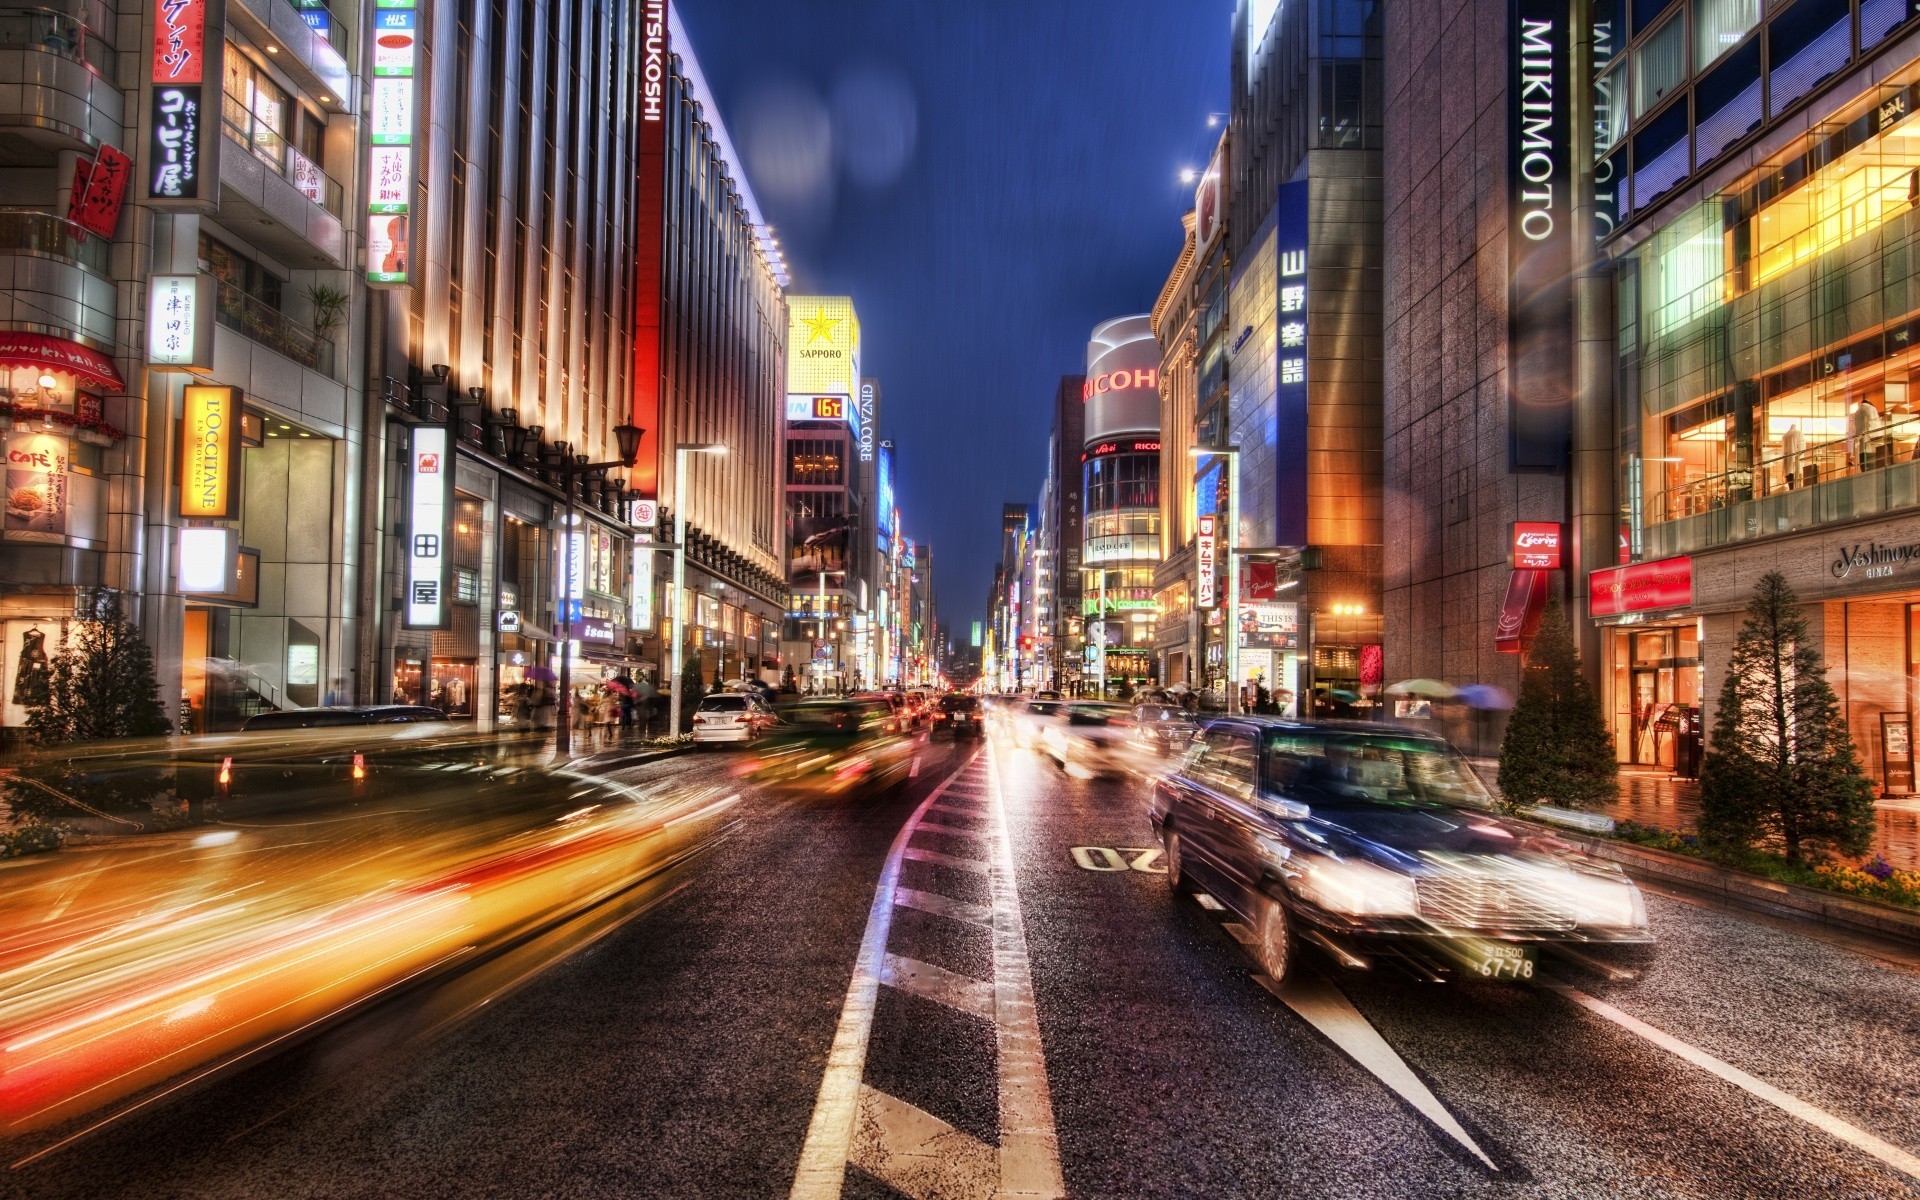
[[1041, 197]]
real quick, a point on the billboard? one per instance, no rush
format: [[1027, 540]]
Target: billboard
[[817, 544], [649, 234], [1539, 237], [183, 117], [1122, 387], [883, 502], [429, 500], [210, 452], [1290, 236], [823, 346]]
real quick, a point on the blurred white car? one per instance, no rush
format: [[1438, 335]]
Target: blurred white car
[[1089, 738], [1029, 718], [733, 717]]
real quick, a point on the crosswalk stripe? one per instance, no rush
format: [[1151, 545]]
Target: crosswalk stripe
[[952, 830], [917, 1154], [936, 859], [938, 984], [943, 906]]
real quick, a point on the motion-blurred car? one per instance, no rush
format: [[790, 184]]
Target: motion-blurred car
[[331, 715], [1028, 719], [956, 715], [731, 717], [1162, 729], [1371, 842], [898, 720], [136, 967], [1089, 739], [835, 748]]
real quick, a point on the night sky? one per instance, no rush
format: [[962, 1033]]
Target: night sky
[[987, 179]]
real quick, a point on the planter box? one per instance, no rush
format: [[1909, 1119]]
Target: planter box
[[1757, 894]]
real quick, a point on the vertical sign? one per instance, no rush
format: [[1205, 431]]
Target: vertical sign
[[1539, 238], [1291, 216], [649, 232], [210, 452], [390, 168], [430, 498], [36, 487], [1206, 552], [869, 410], [183, 138], [640, 618], [180, 322]]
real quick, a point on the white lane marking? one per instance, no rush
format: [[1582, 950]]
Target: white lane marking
[[917, 1154], [957, 991], [913, 772], [1208, 902], [1029, 1144], [955, 810], [1900, 1160], [1324, 1007], [935, 858], [823, 1157], [944, 906], [953, 830]]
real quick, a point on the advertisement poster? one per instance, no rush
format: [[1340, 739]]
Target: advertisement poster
[[1270, 625], [819, 544], [36, 488]]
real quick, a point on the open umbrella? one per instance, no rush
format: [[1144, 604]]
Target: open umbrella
[[1427, 689], [1486, 696], [542, 674]]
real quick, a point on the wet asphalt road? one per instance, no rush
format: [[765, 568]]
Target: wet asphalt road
[[681, 1053]]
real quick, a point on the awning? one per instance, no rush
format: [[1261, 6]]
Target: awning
[[59, 354], [1520, 611]]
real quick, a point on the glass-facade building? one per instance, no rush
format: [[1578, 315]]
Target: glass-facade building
[[1759, 167]]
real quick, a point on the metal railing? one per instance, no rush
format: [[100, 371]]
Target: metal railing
[[273, 329], [37, 231], [1895, 441], [56, 32], [273, 149]]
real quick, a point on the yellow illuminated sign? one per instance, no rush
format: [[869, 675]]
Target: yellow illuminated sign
[[823, 345], [210, 452]]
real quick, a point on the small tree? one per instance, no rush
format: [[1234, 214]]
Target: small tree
[[1782, 765], [101, 684], [789, 683], [1557, 748], [693, 689]]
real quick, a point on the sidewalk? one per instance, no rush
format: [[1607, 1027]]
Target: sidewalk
[[1654, 798]]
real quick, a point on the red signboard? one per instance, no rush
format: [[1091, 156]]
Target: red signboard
[[1259, 581], [1536, 545], [1520, 611], [99, 189], [1640, 587], [649, 232], [179, 41]]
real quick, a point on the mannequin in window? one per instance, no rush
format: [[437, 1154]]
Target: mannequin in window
[[32, 675], [1863, 435], [1793, 446]]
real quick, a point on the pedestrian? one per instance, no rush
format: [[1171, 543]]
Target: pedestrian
[[523, 705]]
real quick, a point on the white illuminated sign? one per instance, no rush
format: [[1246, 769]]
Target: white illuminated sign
[[180, 322], [207, 560], [430, 467], [1205, 556], [641, 616]]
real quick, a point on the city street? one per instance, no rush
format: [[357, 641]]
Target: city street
[[864, 990]]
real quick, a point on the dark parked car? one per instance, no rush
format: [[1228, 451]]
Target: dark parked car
[[1367, 840], [343, 714], [957, 715]]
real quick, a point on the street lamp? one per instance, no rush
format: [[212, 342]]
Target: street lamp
[[1232, 631], [627, 440], [680, 453], [823, 604]]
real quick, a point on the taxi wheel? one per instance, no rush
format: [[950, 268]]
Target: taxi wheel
[[1176, 873], [1275, 947]]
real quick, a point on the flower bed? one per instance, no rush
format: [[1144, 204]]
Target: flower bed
[[31, 838], [1875, 879]]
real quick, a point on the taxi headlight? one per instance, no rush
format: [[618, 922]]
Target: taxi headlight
[[1356, 888], [1606, 901]]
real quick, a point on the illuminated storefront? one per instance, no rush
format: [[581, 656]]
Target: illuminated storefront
[[1120, 481], [1767, 420]]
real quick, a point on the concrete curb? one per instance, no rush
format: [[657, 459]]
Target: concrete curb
[[1754, 893]]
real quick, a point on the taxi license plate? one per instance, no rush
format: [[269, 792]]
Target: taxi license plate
[[1500, 960]]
